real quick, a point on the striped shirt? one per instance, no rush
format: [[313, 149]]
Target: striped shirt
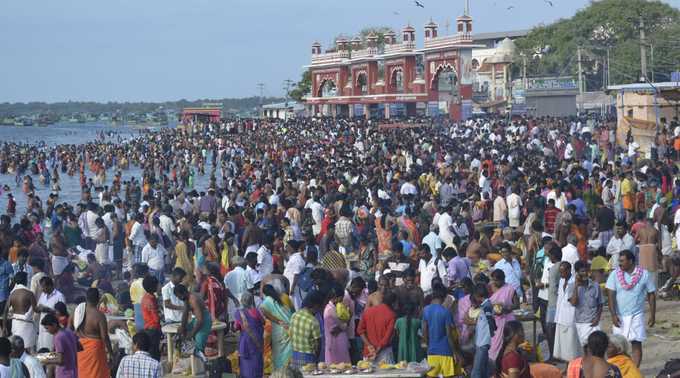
[[139, 365], [305, 331]]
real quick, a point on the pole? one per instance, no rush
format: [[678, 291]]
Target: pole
[[524, 71], [651, 53], [643, 51], [580, 77], [608, 76]]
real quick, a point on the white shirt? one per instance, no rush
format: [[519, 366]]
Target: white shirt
[[154, 257], [616, 245], [238, 282], [167, 225], [408, 188], [294, 265], [570, 255], [428, 271], [168, 294], [35, 369], [433, 241], [560, 202], [444, 222], [90, 218], [565, 310], [137, 234], [545, 279], [253, 275], [265, 261]]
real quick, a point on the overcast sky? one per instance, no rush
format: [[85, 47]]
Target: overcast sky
[[156, 50]]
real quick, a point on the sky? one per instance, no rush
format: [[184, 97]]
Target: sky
[[162, 50]]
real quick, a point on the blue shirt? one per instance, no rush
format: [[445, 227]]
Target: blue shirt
[[482, 331], [631, 302], [6, 273], [438, 319], [580, 207]]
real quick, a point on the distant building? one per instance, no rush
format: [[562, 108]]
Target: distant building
[[362, 79], [283, 110], [642, 107], [208, 113]]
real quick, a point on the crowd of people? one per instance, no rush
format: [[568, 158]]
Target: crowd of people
[[329, 241]]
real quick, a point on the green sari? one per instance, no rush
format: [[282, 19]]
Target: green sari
[[282, 349]]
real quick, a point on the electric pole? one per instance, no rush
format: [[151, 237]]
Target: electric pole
[[608, 76], [580, 71], [286, 86], [643, 51], [651, 53]]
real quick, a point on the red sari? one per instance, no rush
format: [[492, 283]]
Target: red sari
[[215, 297]]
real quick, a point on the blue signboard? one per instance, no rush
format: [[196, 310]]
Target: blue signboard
[[433, 108], [466, 109], [675, 76], [397, 109], [358, 110]]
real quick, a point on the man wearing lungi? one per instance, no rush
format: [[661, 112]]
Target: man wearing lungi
[[628, 287], [588, 300]]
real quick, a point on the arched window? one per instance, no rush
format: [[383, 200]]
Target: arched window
[[398, 81]]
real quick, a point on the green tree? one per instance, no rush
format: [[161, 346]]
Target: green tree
[[303, 87], [606, 26]]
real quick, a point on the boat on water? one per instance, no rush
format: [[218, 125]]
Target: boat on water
[[7, 121]]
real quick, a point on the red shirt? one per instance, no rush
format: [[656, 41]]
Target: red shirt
[[549, 217], [377, 323], [150, 312]]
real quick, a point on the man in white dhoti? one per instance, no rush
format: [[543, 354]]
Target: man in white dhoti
[[628, 287], [49, 297], [567, 346], [588, 300], [22, 302]]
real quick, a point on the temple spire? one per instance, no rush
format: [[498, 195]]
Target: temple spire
[[466, 12]]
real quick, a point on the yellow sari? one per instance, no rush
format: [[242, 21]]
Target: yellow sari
[[626, 365], [183, 261]]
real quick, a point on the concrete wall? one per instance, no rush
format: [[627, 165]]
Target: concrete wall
[[552, 105]]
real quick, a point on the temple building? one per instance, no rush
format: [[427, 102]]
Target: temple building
[[362, 78]]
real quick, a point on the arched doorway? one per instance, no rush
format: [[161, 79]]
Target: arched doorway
[[445, 84], [361, 87], [397, 81], [327, 89]]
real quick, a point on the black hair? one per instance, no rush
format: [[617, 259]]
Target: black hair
[[580, 265], [92, 296], [358, 282], [142, 341], [49, 319], [21, 278], [269, 291], [498, 275], [389, 298], [179, 272], [5, 347], [37, 262], [150, 284], [61, 307], [482, 290], [628, 254], [314, 298], [597, 343]]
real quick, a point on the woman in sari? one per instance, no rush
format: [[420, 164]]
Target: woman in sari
[[462, 309], [251, 324], [617, 353], [510, 362], [504, 301], [383, 231], [214, 292], [184, 259], [279, 315], [335, 329]]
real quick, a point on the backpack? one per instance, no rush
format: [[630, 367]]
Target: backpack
[[669, 368], [304, 281], [487, 310]]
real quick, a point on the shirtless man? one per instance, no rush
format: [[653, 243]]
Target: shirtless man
[[23, 303], [647, 239], [92, 330], [376, 298], [198, 329]]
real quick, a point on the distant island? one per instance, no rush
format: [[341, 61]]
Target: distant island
[[85, 111]]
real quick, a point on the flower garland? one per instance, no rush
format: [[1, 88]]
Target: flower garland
[[637, 275]]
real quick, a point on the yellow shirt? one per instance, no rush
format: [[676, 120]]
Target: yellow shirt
[[137, 291], [626, 187]]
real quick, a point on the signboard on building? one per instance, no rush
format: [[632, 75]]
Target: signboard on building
[[358, 110], [551, 83], [675, 76], [466, 111]]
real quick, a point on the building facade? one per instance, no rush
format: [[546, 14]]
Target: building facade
[[362, 78]]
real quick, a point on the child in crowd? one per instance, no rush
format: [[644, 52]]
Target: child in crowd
[[407, 330]]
